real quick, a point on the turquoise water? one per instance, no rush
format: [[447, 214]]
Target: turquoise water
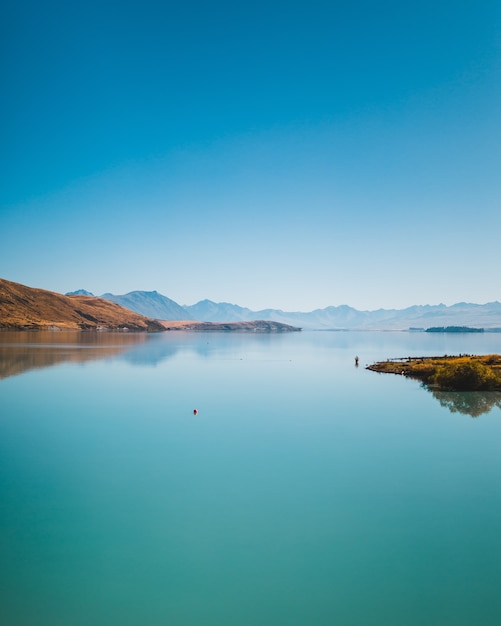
[[306, 491]]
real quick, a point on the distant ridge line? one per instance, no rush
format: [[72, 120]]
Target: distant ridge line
[[418, 317]]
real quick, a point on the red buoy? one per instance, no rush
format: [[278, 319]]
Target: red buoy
[[195, 411]]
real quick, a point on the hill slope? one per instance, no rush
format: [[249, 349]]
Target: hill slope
[[25, 307]]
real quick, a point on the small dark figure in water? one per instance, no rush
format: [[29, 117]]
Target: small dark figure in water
[[356, 361]]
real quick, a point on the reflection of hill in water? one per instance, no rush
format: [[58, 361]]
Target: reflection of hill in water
[[23, 351], [160, 347], [474, 403]]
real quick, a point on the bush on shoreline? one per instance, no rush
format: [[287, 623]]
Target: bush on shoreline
[[466, 376], [449, 373]]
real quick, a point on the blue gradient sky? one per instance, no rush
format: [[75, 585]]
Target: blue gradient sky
[[292, 155]]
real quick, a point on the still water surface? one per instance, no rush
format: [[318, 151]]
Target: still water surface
[[305, 491]]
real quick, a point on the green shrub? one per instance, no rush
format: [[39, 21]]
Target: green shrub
[[467, 376]]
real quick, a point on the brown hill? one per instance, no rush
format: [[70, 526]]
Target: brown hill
[[26, 308]]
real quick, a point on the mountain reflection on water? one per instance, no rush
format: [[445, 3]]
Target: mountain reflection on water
[[473, 403], [23, 351]]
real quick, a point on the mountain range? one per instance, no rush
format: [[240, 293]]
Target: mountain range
[[343, 317]]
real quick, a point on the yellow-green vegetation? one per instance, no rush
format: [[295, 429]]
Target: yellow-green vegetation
[[451, 373]]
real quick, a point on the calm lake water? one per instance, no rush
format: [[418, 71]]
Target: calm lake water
[[306, 491]]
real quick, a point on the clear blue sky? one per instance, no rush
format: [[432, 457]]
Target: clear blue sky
[[292, 155]]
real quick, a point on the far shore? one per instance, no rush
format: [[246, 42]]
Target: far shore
[[263, 326], [256, 326]]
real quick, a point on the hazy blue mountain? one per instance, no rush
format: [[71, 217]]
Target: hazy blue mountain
[[155, 305], [150, 303], [347, 318], [79, 292], [331, 317], [208, 311]]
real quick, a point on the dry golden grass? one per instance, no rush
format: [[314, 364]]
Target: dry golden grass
[[179, 325], [437, 370], [24, 307]]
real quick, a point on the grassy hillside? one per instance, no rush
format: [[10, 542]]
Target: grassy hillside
[[24, 307]]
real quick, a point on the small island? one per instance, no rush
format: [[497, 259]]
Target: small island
[[454, 329], [449, 373]]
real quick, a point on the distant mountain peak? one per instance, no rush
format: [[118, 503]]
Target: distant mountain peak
[[80, 292], [156, 305]]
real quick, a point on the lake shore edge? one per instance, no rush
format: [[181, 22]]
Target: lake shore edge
[[448, 372]]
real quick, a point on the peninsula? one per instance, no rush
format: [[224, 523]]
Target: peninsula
[[255, 326], [450, 373]]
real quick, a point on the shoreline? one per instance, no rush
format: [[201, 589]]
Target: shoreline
[[463, 372], [156, 326]]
